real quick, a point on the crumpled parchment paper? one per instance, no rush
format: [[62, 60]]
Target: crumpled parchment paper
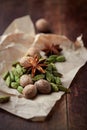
[[14, 43]]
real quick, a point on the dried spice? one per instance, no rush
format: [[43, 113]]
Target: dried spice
[[20, 89], [30, 91], [42, 25], [53, 78], [5, 75], [12, 76], [58, 81], [57, 74], [19, 69], [14, 85], [25, 61], [51, 59], [38, 77], [48, 76], [14, 71], [34, 64], [25, 80], [15, 63], [62, 88], [51, 49], [43, 86], [55, 58], [17, 79], [35, 71], [8, 81], [49, 68], [4, 99], [60, 58], [52, 69], [54, 87]]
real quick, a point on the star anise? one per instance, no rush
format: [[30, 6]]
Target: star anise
[[35, 63], [51, 49]]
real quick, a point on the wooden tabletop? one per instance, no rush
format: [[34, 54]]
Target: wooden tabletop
[[66, 18]]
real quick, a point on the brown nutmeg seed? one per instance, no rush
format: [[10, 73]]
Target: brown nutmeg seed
[[43, 86], [25, 80], [29, 91], [42, 25], [24, 61]]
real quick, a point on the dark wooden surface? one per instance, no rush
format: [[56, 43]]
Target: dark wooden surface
[[67, 17]]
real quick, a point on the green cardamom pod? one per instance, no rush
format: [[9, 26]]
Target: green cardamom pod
[[4, 99], [60, 58], [49, 68], [17, 79], [51, 58], [57, 74], [19, 69], [14, 85], [62, 88], [58, 81], [53, 78], [12, 76], [24, 70], [15, 63], [20, 89], [48, 76], [53, 67], [5, 75], [38, 77], [54, 87], [14, 71], [8, 81]]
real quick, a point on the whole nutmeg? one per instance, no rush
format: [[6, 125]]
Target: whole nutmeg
[[24, 61], [32, 51], [25, 80], [43, 86], [42, 25], [29, 91]]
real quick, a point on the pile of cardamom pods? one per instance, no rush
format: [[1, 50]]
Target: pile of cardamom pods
[[20, 78], [12, 77]]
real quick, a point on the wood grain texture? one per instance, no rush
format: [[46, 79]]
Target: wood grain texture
[[56, 120], [77, 101], [66, 17]]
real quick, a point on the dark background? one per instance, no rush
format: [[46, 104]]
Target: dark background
[[67, 17]]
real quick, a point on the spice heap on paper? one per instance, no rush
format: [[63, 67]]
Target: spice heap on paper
[[32, 75]]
